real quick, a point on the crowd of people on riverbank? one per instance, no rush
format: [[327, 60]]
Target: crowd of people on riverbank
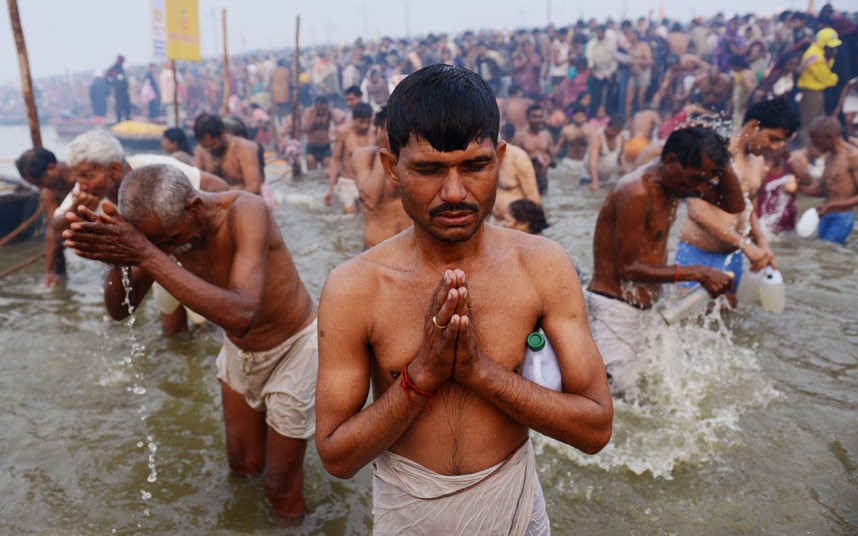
[[427, 140]]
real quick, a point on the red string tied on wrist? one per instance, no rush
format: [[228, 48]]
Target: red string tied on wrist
[[408, 386], [675, 273]]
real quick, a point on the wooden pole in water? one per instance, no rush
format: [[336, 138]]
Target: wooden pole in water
[[296, 74], [296, 92], [26, 80], [225, 64]]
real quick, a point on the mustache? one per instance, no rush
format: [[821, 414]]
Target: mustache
[[450, 207]]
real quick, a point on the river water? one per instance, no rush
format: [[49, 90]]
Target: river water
[[742, 425]]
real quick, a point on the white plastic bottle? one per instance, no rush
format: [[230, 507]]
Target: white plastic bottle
[[691, 302], [749, 288], [540, 363], [686, 305], [772, 291]]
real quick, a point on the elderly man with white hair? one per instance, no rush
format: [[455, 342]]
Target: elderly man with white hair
[[98, 164]]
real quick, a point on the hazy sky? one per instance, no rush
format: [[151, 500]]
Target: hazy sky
[[87, 34]]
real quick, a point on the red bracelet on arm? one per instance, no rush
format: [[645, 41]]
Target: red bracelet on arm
[[408, 386], [676, 273]]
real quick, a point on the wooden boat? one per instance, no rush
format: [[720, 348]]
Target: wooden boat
[[18, 201]]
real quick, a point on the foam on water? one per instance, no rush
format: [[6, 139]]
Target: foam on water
[[695, 385]]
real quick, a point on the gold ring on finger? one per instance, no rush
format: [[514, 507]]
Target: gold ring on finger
[[439, 326]]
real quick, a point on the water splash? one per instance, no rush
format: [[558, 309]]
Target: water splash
[[695, 385], [137, 352]]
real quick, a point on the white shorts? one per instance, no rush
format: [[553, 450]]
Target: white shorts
[[280, 381], [620, 332]]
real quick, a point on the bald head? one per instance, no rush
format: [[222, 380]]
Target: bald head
[[826, 125], [160, 190]]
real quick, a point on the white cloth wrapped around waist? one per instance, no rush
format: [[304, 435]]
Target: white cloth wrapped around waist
[[506, 498]]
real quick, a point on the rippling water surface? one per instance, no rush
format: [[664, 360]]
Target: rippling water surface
[[745, 424]]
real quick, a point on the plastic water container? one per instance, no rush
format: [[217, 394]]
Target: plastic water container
[[808, 223], [686, 305], [772, 291], [749, 288], [540, 364]]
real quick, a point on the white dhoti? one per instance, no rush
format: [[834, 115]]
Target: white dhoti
[[620, 332], [408, 499]]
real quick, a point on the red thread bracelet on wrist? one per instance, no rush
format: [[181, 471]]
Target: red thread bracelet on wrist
[[408, 386], [676, 273]]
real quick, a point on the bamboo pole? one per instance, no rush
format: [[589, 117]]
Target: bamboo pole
[[26, 80], [296, 74], [296, 92], [225, 64]]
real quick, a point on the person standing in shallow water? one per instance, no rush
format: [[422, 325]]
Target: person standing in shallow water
[[233, 268], [716, 238], [435, 320], [839, 181], [537, 142], [630, 243], [380, 200]]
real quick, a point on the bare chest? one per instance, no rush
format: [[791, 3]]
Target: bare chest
[[503, 310]]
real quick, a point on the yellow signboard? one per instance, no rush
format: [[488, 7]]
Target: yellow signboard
[[183, 30]]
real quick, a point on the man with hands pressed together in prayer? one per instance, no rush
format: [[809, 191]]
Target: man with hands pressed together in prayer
[[435, 319]]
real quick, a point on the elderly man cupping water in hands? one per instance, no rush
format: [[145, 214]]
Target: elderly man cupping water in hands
[[233, 268]]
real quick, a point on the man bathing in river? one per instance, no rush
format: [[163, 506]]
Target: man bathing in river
[[839, 181], [355, 134], [436, 318], [40, 167], [517, 179], [630, 243], [222, 255], [383, 214], [717, 238], [98, 163], [234, 158]]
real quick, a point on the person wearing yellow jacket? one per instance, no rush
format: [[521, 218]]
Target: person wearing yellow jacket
[[816, 76]]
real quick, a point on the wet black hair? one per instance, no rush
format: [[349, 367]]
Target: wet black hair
[[362, 110], [380, 118], [691, 144], [321, 100], [353, 90], [33, 164], [208, 125], [177, 136], [533, 108], [527, 211], [447, 106], [235, 126], [774, 113]]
